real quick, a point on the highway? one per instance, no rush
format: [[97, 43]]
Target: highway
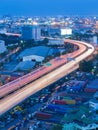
[[15, 98], [55, 63]]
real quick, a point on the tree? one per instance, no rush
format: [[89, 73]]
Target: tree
[[45, 41], [3, 54], [1, 65], [57, 127], [86, 66]]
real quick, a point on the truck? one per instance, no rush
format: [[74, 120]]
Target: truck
[[57, 107], [54, 106], [60, 111], [70, 102], [61, 102], [42, 115], [90, 90]]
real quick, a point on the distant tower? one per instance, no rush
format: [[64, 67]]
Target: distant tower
[[27, 32], [36, 32], [31, 32]]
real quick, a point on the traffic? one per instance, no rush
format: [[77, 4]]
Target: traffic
[[24, 80]]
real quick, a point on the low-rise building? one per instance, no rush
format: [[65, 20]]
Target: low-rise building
[[75, 126], [33, 58], [80, 120], [93, 103], [56, 42], [38, 53]]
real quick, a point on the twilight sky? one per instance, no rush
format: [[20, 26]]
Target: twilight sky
[[49, 7]]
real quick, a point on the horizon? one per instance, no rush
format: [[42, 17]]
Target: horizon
[[49, 8]]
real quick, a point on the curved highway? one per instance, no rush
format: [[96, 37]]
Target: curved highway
[[51, 76], [24, 80]]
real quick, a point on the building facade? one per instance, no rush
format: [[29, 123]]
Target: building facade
[[31, 32]]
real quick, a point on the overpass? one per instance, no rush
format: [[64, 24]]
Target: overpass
[[55, 63], [45, 76]]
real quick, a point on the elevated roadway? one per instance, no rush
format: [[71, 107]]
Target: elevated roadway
[[60, 71], [55, 63]]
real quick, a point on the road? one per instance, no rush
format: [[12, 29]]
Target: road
[[10, 101], [11, 53], [13, 34], [55, 63]]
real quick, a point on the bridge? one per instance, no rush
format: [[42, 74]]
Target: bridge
[[42, 77]]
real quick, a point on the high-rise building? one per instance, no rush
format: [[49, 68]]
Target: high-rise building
[[36, 32], [27, 32], [31, 32]]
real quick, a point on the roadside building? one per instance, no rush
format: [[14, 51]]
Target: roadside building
[[80, 120], [37, 54], [56, 42], [66, 31]]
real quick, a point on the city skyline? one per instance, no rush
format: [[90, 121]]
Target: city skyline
[[45, 7]]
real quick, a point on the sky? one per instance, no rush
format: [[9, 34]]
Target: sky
[[48, 7]]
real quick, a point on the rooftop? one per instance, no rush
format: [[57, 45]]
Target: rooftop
[[93, 84], [39, 50], [81, 116], [26, 65]]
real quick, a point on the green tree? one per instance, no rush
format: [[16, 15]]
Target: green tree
[[86, 66], [57, 127]]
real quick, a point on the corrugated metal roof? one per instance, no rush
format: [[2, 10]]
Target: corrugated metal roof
[[83, 116], [25, 65], [39, 50]]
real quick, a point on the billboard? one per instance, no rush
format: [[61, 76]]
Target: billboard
[[66, 31]]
